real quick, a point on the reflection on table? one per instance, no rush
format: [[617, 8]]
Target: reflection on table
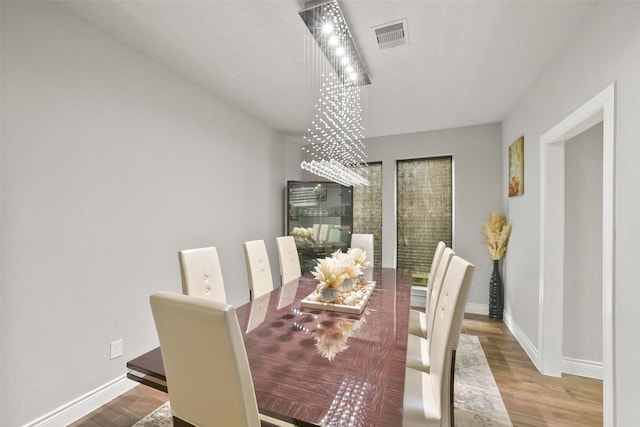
[[332, 335], [314, 366]]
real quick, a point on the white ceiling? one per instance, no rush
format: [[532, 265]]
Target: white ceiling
[[467, 62]]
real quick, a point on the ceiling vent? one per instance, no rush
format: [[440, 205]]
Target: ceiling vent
[[392, 35]]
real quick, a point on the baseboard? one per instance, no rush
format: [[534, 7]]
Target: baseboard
[[78, 408], [583, 368], [522, 339], [419, 296], [477, 308]]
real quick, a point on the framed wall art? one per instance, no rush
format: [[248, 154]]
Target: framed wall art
[[516, 168]]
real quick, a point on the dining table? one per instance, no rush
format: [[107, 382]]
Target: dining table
[[320, 366]]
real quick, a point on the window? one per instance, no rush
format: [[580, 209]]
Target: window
[[424, 210], [367, 209]]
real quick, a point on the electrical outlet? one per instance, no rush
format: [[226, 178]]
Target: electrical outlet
[[116, 349]]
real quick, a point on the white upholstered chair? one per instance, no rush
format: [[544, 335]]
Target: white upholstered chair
[[437, 256], [364, 242], [288, 258], [201, 273], [205, 360], [418, 345], [428, 397], [418, 318], [258, 268]]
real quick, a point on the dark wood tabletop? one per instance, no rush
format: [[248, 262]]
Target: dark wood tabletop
[[317, 367]]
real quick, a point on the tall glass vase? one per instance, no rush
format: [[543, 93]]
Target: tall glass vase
[[496, 293]]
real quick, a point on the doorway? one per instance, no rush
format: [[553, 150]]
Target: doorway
[[552, 233], [582, 326]]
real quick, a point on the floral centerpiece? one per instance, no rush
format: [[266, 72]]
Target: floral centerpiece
[[496, 234], [339, 272], [358, 257]]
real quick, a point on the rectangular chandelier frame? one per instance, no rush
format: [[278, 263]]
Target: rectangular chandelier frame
[[334, 139], [311, 16]]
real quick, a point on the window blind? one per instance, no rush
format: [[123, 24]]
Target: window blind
[[424, 210], [367, 209]]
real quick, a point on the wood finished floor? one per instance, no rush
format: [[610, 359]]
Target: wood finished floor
[[531, 398]]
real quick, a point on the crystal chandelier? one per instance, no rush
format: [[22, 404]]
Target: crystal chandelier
[[334, 140]]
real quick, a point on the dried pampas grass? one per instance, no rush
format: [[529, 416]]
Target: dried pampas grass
[[496, 234]]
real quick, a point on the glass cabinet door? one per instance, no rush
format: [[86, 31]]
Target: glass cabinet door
[[319, 217]]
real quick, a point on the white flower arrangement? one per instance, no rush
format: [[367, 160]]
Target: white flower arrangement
[[359, 258], [332, 271]]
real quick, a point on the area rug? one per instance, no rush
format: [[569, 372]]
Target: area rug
[[477, 400], [161, 417]]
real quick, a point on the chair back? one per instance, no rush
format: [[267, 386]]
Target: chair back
[[436, 287], [364, 242], [446, 333], [205, 361], [258, 268], [437, 255], [288, 258], [201, 273]]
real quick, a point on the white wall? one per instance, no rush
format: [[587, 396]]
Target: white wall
[[582, 324], [603, 50], [110, 165], [293, 158]]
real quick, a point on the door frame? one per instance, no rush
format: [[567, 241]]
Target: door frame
[[599, 108]]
